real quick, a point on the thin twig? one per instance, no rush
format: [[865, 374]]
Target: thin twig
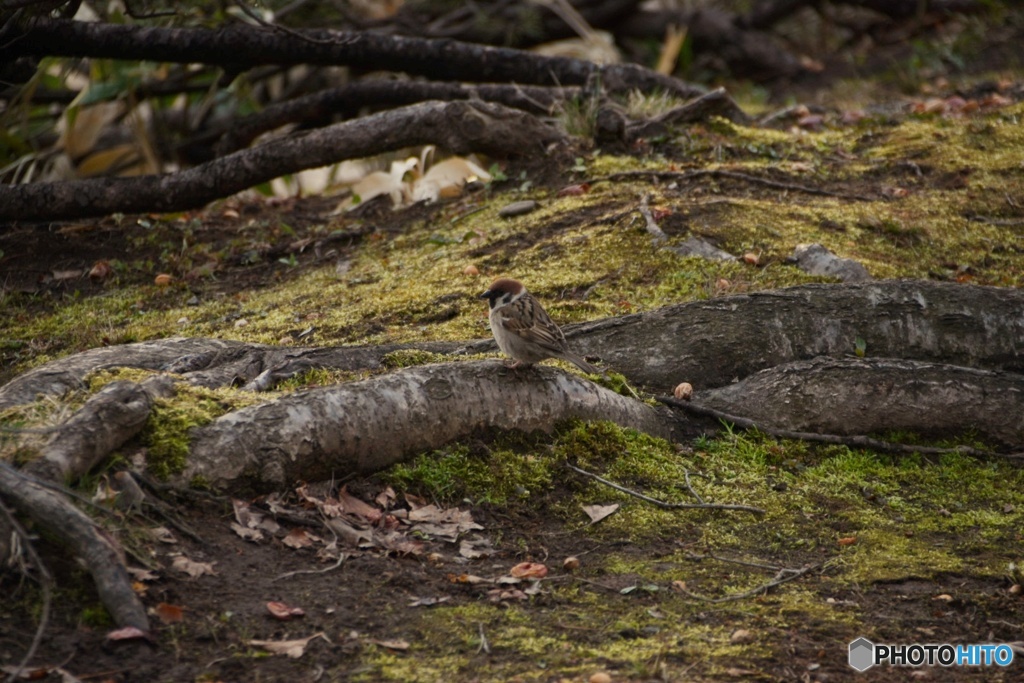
[[856, 440], [341, 558], [45, 581], [689, 487], [782, 576], [735, 175], [652, 225], [663, 504], [745, 563], [484, 645], [249, 12]]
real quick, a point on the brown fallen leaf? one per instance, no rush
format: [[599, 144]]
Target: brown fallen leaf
[[291, 648], [299, 538], [284, 612], [100, 270], [390, 644], [169, 614], [599, 512], [529, 570], [356, 506], [191, 567], [128, 633]]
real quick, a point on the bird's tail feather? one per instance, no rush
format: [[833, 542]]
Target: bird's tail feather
[[582, 364]]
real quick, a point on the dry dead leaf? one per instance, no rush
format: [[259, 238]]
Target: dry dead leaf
[[385, 498], [162, 534], [599, 512], [140, 574], [574, 190], [350, 535], [299, 538], [291, 648], [399, 543], [60, 275], [169, 614], [446, 525], [191, 567], [847, 540], [356, 538], [395, 644], [284, 612], [246, 533], [529, 570], [127, 633], [499, 594], [473, 549], [468, 579], [100, 270], [355, 506]]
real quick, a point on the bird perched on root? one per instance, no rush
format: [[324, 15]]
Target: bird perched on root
[[524, 330]]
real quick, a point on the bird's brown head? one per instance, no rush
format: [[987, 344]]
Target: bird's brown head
[[503, 291]]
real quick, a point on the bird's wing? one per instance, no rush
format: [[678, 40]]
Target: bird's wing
[[532, 323]]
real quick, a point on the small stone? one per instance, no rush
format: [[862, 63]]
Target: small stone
[[518, 208], [683, 391], [162, 280], [741, 636], [600, 677], [470, 270], [241, 322], [571, 563]]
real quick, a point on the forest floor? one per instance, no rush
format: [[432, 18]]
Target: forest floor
[[898, 549]]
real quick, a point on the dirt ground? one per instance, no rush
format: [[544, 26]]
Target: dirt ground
[[366, 609]]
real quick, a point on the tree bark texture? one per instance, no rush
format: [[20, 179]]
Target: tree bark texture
[[715, 342], [106, 421], [861, 396], [347, 100], [460, 127], [200, 361], [369, 425]]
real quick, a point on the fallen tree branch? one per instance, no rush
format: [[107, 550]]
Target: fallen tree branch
[[80, 534], [241, 44], [662, 504], [346, 101], [460, 127]]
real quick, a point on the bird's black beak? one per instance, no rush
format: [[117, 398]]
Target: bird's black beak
[[486, 295]]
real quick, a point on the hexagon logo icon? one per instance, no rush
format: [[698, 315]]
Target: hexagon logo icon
[[862, 654]]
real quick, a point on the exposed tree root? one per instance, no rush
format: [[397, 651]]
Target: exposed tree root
[[368, 425], [107, 420], [83, 538]]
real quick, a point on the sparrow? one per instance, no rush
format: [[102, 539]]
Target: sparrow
[[524, 330]]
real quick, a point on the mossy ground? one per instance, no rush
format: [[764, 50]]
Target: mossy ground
[[903, 548]]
